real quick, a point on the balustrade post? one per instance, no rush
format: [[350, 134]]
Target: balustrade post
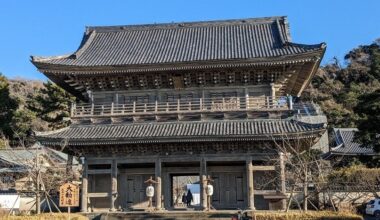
[[92, 109], [145, 107], [112, 108], [290, 101], [156, 106], [134, 107], [247, 101], [123, 109], [72, 110], [200, 104], [102, 112], [178, 108]]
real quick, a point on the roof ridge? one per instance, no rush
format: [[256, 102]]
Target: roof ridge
[[112, 28], [86, 44], [42, 133]]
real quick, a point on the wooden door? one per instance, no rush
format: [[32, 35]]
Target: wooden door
[[229, 190], [135, 191]]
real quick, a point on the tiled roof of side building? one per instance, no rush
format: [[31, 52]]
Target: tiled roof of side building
[[183, 43], [345, 144], [180, 132]]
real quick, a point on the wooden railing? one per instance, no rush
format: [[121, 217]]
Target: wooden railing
[[229, 104]]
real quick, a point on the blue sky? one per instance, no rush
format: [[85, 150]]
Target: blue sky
[[48, 27]]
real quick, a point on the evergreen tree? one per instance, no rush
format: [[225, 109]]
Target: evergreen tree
[[369, 124], [22, 125], [336, 88], [8, 105], [52, 104]]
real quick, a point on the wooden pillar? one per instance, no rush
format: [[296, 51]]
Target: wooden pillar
[[282, 178], [159, 184], [122, 196], [113, 185], [84, 198], [250, 189], [203, 177]]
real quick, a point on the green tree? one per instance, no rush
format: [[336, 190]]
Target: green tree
[[336, 87], [22, 125], [52, 104], [368, 109], [8, 105]]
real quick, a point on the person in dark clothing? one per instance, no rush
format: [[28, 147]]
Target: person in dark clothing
[[184, 198], [189, 198]]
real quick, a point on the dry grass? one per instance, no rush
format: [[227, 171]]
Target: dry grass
[[311, 215], [46, 216], [293, 215]]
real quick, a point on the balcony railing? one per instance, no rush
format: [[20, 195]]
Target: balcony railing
[[201, 105]]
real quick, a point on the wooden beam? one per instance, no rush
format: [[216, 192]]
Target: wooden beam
[[100, 171], [99, 195], [264, 168]]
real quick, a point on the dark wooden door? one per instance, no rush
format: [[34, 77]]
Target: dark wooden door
[[229, 190], [135, 191]]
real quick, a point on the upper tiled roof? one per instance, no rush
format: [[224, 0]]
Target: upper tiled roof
[[179, 132], [183, 43], [344, 138]]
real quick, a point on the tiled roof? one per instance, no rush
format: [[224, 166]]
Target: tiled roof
[[17, 156], [96, 134], [183, 43], [344, 139], [21, 157]]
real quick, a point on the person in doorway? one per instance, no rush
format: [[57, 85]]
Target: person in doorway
[[189, 198], [184, 199]]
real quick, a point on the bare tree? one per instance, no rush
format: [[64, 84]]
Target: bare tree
[[41, 172], [305, 168]]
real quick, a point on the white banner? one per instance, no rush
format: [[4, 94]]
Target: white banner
[[9, 201]]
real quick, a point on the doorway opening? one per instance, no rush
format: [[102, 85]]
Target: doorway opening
[[185, 190]]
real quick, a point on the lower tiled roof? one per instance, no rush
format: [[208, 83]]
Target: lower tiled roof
[[201, 131], [346, 145]]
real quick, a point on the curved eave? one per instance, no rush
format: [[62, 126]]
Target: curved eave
[[45, 67], [314, 69], [195, 139], [56, 73], [175, 132]]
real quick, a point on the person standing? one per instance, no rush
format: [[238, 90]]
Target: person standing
[[184, 202], [189, 198]]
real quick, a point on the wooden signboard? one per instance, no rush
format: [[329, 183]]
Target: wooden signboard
[[69, 195]]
